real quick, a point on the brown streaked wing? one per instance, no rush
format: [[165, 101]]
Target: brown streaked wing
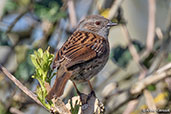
[[81, 55], [80, 47]]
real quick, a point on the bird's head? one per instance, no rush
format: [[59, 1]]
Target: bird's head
[[96, 24]]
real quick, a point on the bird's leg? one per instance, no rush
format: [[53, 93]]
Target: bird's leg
[[78, 92], [92, 91], [90, 85]]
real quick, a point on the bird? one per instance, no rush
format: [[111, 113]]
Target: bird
[[83, 55]]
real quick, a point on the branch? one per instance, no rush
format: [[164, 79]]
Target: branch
[[131, 106], [20, 85], [149, 100], [151, 24], [133, 50], [16, 20], [155, 65], [143, 71], [2, 5], [161, 74], [59, 107], [114, 8], [15, 111], [72, 14], [136, 90], [47, 27], [86, 104]]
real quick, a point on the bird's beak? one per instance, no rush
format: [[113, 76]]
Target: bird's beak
[[110, 24]]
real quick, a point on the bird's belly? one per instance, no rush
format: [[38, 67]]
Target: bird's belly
[[87, 70]]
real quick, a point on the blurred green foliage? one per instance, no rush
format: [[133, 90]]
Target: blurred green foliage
[[149, 59], [10, 6], [47, 2], [151, 87], [25, 68], [169, 57], [2, 109], [121, 55], [43, 73], [44, 9], [49, 10], [4, 40]]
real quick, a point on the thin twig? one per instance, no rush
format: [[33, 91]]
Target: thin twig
[[121, 104], [20, 85], [72, 14], [161, 74], [59, 32], [114, 8], [47, 27], [16, 20], [131, 106], [159, 33], [15, 111], [136, 58], [149, 100], [151, 24], [168, 66], [59, 105], [132, 49], [137, 89], [151, 28], [2, 5]]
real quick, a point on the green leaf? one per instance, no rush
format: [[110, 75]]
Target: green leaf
[[40, 53], [33, 58]]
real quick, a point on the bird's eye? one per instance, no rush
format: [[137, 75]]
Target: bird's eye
[[98, 22]]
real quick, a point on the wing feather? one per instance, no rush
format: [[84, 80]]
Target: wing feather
[[80, 47]]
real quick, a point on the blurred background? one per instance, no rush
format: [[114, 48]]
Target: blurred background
[[140, 44]]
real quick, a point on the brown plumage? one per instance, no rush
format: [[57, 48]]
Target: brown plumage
[[83, 55]]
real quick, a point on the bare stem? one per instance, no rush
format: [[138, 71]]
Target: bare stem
[[2, 5], [114, 8], [20, 85], [16, 20], [151, 24], [161, 74], [132, 49], [72, 14]]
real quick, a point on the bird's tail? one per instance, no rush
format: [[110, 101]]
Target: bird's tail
[[59, 85]]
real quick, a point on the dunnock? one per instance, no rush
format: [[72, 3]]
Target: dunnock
[[83, 55]]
